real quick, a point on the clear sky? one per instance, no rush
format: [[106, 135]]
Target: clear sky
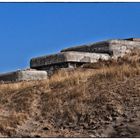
[[33, 29]]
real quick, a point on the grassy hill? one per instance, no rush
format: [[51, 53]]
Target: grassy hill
[[98, 100]]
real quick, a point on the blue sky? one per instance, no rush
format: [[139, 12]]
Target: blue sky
[[33, 29]]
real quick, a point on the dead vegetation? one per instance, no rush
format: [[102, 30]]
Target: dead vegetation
[[98, 100]]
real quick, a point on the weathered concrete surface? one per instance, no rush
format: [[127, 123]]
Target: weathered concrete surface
[[67, 57], [32, 75], [23, 75], [133, 39], [115, 48]]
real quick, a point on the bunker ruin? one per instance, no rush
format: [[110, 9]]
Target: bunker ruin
[[23, 75], [73, 57], [115, 48], [65, 60]]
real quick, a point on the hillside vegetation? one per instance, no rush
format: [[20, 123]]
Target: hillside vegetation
[[98, 100]]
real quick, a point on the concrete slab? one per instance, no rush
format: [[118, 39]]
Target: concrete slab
[[23, 75], [66, 57], [115, 48], [133, 39]]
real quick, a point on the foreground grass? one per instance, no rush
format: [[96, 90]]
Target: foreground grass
[[77, 103]]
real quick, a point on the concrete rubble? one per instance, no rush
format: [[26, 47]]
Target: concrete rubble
[[73, 57]]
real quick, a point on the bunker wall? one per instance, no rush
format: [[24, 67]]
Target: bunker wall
[[122, 47], [100, 47], [12, 76], [32, 75], [23, 76], [67, 57], [115, 48]]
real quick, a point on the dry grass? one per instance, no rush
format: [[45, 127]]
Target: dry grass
[[123, 67], [81, 99]]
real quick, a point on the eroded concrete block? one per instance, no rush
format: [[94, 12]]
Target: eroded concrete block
[[115, 48], [65, 58], [23, 75]]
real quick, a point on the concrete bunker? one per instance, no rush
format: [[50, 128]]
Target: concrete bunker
[[115, 48], [23, 75], [73, 57], [69, 59]]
